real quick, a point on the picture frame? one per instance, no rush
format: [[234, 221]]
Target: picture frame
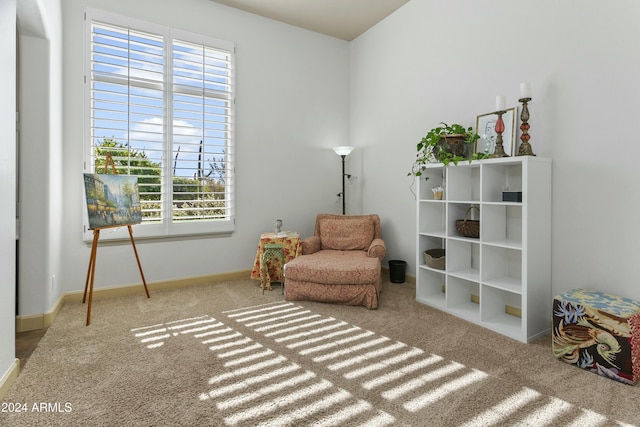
[[112, 200], [485, 127]]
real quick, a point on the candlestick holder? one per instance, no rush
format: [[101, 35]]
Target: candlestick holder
[[525, 146], [499, 151]]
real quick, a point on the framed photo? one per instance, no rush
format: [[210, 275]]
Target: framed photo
[[112, 200], [486, 128]]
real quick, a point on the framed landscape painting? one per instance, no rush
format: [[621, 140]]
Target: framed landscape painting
[[112, 200]]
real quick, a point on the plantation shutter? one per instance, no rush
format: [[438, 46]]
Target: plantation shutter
[[160, 101], [127, 97], [201, 132]]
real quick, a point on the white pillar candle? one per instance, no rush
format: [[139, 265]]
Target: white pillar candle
[[500, 103], [525, 90]]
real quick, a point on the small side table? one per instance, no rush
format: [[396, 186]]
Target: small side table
[[272, 251], [291, 248]]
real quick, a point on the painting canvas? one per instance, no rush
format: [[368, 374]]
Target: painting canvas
[[112, 200]]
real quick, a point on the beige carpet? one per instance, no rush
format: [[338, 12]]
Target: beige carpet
[[224, 355]]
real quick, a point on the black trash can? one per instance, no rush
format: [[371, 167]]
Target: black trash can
[[397, 268]]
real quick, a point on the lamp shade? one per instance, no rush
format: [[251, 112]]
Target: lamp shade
[[343, 150]]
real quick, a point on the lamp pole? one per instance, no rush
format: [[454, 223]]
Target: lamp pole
[[343, 175], [343, 151]]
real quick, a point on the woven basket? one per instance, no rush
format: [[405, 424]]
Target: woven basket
[[468, 227], [435, 258]]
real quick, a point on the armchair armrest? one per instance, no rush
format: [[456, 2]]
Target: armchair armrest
[[310, 245], [377, 249]]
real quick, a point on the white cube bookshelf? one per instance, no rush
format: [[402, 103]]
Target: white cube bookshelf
[[502, 280]]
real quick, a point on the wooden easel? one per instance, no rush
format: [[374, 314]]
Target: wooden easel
[[94, 249]]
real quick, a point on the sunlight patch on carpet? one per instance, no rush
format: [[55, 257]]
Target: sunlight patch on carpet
[[324, 337], [254, 356], [281, 326], [366, 356], [279, 403], [156, 335], [444, 390], [550, 411], [333, 324], [258, 383], [590, 418], [399, 376], [385, 364], [260, 386], [505, 408], [421, 381], [336, 343], [267, 390], [401, 372]]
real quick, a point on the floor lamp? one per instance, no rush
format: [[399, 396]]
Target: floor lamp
[[343, 151]]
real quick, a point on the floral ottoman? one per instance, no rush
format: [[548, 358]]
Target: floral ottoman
[[598, 332]]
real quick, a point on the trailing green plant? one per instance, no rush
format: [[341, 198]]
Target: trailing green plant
[[479, 156], [434, 147]]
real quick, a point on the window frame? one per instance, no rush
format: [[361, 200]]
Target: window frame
[[168, 228]]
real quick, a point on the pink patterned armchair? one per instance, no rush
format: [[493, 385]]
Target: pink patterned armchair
[[340, 263]]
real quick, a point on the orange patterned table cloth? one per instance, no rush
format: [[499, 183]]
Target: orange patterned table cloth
[[292, 247]]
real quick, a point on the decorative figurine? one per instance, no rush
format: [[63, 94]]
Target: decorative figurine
[[278, 226]]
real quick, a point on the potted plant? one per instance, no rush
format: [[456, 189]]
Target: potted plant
[[445, 144]]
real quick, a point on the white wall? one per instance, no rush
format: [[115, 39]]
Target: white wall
[[7, 185], [436, 61], [300, 93], [40, 106], [292, 107]]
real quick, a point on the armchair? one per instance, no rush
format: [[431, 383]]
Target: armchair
[[340, 263]]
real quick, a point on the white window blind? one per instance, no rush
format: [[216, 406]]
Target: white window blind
[[201, 131], [161, 102]]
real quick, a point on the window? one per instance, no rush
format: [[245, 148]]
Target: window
[[160, 101]]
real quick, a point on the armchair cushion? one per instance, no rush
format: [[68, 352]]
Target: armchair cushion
[[346, 234], [335, 267]]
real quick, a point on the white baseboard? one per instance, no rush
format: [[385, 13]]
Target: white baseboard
[[40, 321], [7, 381]]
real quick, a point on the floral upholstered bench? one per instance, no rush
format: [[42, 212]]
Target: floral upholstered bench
[[598, 332]]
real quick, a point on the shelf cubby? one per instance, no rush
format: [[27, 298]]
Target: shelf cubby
[[502, 268], [430, 178], [429, 242], [463, 259], [430, 287], [463, 183], [456, 211], [495, 306], [502, 225], [435, 212], [461, 298], [500, 177]]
